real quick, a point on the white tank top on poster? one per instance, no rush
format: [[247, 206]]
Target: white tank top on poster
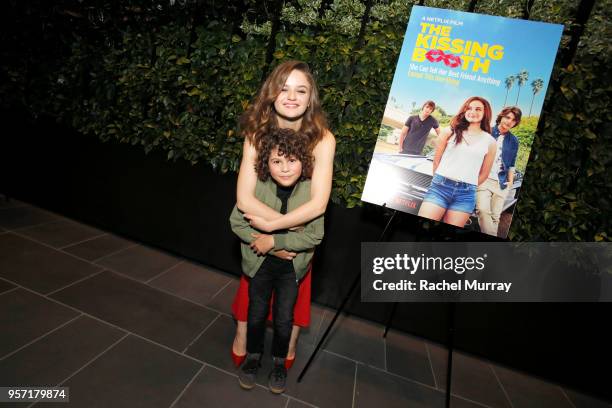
[[462, 162]]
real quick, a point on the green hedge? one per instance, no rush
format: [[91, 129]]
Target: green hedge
[[177, 79]]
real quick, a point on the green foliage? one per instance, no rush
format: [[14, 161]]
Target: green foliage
[[525, 133], [177, 78], [566, 193], [384, 132]]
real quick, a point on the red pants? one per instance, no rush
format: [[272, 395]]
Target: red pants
[[301, 310]]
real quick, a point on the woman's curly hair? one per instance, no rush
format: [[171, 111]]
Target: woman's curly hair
[[289, 143], [260, 118]]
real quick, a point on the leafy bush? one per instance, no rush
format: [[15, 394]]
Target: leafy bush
[[177, 77], [525, 133]]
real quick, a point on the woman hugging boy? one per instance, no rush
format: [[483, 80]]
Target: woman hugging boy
[[283, 166]]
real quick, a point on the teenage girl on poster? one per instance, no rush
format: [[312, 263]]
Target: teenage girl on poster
[[289, 98], [462, 161]]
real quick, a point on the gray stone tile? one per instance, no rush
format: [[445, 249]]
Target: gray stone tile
[[329, 381], [25, 316], [134, 373], [407, 356], [223, 300], [529, 392], [25, 216], [56, 356], [310, 335], [297, 404], [60, 233], [138, 308], [458, 402], [215, 344], [377, 388], [4, 286], [584, 401], [192, 282], [98, 247], [216, 389], [38, 267], [10, 203], [356, 338], [472, 378], [139, 262]]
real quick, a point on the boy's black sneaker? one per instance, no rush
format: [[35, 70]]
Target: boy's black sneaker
[[278, 376], [248, 370]]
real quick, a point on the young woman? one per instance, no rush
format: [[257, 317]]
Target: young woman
[[288, 99], [462, 161]]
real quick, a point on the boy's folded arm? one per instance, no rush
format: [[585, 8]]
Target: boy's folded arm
[[241, 227], [302, 240]]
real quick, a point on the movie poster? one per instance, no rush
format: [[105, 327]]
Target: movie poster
[[461, 116]]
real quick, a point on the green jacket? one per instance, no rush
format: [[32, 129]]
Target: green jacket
[[303, 241]]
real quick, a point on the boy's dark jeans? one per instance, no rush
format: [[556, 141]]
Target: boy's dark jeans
[[283, 282]]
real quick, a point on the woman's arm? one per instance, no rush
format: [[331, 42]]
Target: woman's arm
[[487, 163], [320, 189], [442, 142], [245, 191]]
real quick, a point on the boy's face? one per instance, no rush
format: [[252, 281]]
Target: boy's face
[[286, 171], [426, 111], [507, 122]]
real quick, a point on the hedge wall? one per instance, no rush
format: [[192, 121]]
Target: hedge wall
[[175, 75]]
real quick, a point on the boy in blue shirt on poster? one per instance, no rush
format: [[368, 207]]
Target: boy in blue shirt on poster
[[283, 167]]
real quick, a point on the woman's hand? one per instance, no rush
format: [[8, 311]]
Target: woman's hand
[[284, 254], [441, 147], [262, 244], [259, 223]]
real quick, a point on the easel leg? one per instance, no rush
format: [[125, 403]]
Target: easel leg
[[331, 324], [451, 341], [390, 319], [341, 308]]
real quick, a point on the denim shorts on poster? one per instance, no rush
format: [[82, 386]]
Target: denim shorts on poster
[[452, 195]]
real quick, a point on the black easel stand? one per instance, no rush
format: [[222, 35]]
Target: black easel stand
[[451, 343], [342, 305]]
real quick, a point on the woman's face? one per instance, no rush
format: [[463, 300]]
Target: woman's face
[[474, 112], [292, 101]]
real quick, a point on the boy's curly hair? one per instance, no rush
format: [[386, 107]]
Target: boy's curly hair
[[289, 143]]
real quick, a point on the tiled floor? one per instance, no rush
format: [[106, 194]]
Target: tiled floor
[[124, 325]]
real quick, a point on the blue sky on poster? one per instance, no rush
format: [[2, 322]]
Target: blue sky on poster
[[527, 45]]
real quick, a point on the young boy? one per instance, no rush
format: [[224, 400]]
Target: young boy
[[283, 165]]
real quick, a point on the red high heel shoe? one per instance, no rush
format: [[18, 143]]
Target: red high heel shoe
[[289, 362], [237, 359]]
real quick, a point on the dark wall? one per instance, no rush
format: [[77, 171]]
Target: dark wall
[[184, 209]]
